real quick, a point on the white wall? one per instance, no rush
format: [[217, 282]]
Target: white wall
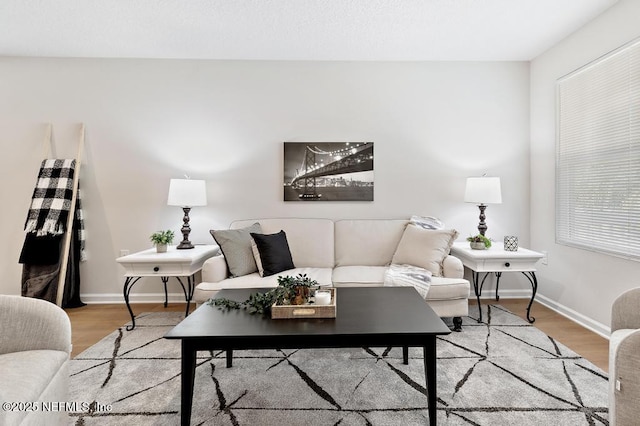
[[433, 124], [581, 281]]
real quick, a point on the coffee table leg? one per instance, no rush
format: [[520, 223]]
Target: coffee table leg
[[188, 378], [405, 355], [229, 358], [430, 374]]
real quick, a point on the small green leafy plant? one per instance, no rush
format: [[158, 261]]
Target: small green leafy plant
[[290, 291], [480, 239], [162, 237]]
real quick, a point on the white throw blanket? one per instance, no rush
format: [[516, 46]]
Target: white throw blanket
[[408, 276]]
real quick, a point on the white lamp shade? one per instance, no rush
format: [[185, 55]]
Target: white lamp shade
[[187, 193], [483, 190]]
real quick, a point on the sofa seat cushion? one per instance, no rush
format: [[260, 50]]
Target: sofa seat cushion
[[448, 288], [344, 276], [206, 290], [26, 375]]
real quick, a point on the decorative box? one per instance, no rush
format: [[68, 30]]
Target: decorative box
[[511, 243], [308, 310]]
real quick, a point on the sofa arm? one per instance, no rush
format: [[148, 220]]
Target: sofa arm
[[452, 267], [624, 312], [32, 324], [214, 269], [624, 401]]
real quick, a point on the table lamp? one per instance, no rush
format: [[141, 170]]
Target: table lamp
[[186, 193], [482, 191]]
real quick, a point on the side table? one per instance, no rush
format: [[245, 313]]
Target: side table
[[496, 260], [174, 263]]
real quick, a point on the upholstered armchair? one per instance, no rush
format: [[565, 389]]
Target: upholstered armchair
[[624, 360], [35, 345]]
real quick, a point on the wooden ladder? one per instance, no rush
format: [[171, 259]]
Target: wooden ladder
[[68, 234]]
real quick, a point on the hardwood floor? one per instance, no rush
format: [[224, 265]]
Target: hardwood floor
[[584, 342], [91, 323]]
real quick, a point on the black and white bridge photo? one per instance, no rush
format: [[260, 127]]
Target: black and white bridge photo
[[328, 171]]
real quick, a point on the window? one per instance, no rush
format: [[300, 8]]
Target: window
[[598, 155]]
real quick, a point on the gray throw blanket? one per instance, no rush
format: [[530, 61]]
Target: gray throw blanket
[[408, 276]]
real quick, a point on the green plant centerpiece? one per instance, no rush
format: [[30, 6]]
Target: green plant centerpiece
[[290, 291], [479, 242], [161, 238]]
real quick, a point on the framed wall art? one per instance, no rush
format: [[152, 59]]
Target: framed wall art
[[328, 171]]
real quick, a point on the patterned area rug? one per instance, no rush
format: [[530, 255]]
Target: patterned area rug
[[500, 372]]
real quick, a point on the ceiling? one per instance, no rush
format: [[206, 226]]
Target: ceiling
[[370, 30]]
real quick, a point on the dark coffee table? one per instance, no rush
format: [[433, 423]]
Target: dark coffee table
[[366, 317]]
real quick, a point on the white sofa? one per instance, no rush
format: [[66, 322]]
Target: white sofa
[[341, 253], [35, 345]]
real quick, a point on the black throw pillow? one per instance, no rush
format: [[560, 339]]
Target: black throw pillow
[[274, 252]]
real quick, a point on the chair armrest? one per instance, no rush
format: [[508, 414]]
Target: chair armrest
[[214, 269], [624, 311], [627, 365], [452, 267], [32, 324]]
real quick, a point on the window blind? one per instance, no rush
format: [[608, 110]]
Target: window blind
[[598, 155]]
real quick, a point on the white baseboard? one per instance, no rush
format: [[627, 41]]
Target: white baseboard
[[584, 321], [576, 317], [115, 298]]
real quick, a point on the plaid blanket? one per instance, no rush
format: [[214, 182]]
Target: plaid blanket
[[51, 201]]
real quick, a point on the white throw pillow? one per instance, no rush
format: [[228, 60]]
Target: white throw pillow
[[425, 248]]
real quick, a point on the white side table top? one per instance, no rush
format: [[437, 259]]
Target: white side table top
[[496, 259], [170, 264]]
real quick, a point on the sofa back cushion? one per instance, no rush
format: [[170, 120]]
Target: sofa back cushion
[[425, 248], [367, 242], [311, 241], [235, 245]]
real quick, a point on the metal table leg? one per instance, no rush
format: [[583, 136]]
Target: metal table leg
[[166, 295], [498, 275], [128, 283], [477, 288], [188, 291], [531, 276]]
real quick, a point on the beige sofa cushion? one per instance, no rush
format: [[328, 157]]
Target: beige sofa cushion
[[344, 276], [448, 288], [367, 242], [205, 290], [425, 248], [28, 376], [310, 240]]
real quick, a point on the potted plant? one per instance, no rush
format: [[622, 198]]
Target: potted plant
[[161, 239], [479, 242], [290, 291]]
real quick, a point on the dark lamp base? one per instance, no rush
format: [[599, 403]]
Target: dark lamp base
[[185, 245]]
